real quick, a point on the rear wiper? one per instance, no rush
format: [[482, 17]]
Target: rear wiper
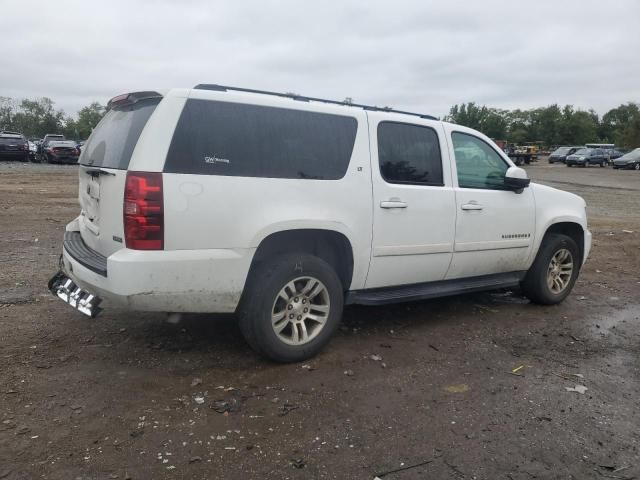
[[98, 171]]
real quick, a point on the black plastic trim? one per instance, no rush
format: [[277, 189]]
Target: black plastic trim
[[88, 258], [423, 291]]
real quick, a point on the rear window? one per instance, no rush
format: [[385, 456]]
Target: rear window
[[112, 141], [232, 139], [11, 140]]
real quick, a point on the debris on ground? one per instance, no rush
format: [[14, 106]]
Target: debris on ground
[[578, 388], [226, 406], [349, 373], [195, 382], [460, 388], [375, 358]]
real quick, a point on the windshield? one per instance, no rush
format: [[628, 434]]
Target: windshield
[[632, 155], [561, 151], [583, 151], [112, 141]]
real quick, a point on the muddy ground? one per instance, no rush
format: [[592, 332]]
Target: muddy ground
[[414, 391]]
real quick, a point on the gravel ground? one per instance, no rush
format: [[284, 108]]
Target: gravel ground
[[412, 391]]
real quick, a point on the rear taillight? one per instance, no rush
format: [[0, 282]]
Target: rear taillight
[[143, 211]]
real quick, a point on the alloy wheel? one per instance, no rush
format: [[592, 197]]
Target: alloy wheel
[[560, 271], [300, 310]]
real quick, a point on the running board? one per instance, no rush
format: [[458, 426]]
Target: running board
[[423, 291]]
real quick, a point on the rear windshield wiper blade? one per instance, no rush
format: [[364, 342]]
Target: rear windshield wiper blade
[[98, 172]]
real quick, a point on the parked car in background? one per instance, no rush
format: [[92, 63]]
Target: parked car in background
[[296, 206], [64, 151], [629, 160], [612, 154], [587, 156], [49, 137], [33, 151], [13, 146], [561, 154]]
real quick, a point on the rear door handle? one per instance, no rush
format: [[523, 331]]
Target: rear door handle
[[471, 206], [393, 203]]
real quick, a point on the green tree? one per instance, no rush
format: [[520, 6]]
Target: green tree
[[7, 112], [617, 125], [88, 118], [490, 121], [38, 117]]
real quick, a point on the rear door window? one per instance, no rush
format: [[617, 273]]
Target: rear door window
[[112, 141], [233, 139]]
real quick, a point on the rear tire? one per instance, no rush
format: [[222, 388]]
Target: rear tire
[[554, 271], [278, 309]]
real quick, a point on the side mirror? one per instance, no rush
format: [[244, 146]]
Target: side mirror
[[516, 179]]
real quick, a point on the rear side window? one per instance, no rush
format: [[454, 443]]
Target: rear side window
[[112, 141], [222, 138], [409, 154]]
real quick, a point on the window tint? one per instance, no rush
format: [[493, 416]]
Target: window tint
[[112, 141], [222, 138], [409, 154], [479, 165]]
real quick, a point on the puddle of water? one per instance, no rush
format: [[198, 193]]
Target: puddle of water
[[605, 324]]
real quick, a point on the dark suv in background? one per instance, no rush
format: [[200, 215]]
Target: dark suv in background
[[561, 154], [13, 146], [588, 156]]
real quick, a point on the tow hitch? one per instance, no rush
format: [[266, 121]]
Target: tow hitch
[[63, 287]]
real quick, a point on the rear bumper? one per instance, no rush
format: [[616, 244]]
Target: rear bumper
[[13, 154], [166, 281]]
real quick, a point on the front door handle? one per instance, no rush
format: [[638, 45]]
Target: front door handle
[[471, 206], [393, 203]]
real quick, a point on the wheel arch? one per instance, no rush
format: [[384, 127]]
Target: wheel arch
[[571, 229], [330, 245]]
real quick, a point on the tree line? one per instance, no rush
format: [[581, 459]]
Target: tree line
[[35, 118], [553, 125]]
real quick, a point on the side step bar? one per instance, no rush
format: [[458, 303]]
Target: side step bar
[[423, 291]]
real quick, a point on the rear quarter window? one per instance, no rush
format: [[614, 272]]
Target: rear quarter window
[[233, 139], [112, 141]]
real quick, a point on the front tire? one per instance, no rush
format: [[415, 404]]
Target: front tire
[[291, 306], [636, 166], [554, 271]]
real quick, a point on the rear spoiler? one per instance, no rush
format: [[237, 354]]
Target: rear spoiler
[[131, 98]]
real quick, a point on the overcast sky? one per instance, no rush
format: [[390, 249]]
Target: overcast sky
[[416, 55]]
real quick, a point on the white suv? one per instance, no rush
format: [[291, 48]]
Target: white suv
[[283, 208]]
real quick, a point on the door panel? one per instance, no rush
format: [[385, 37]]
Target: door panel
[[494, 227], [413, 222]]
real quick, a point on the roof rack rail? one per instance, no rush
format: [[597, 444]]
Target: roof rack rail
[[302, 98]]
